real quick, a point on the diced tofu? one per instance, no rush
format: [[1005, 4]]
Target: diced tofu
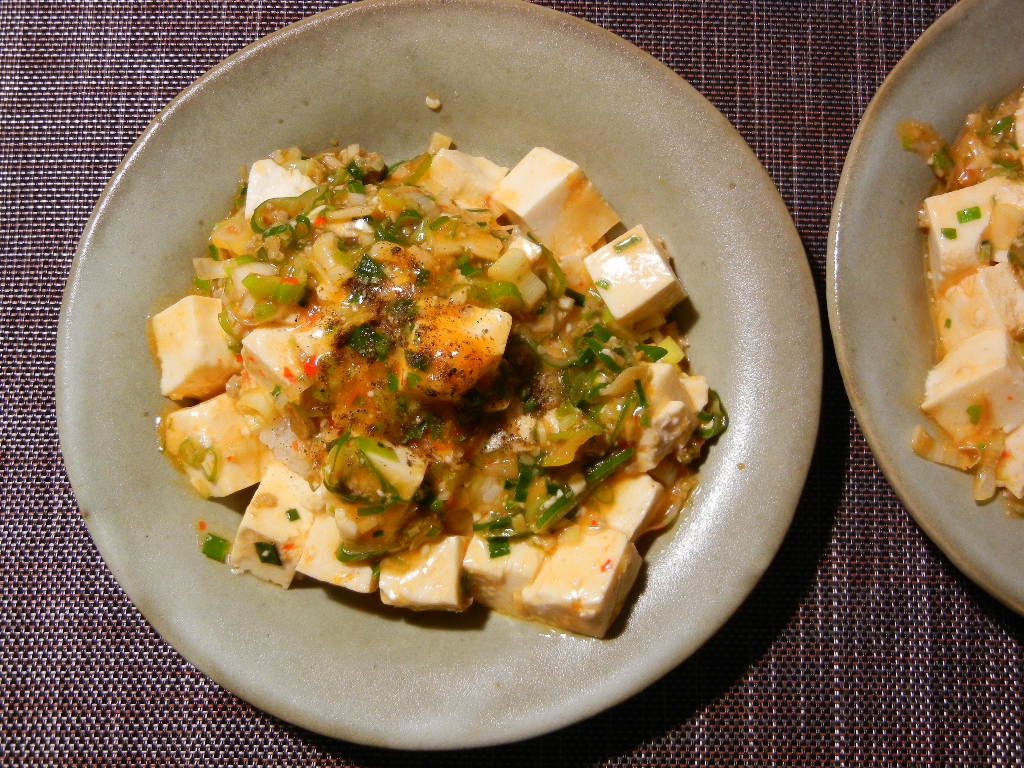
[[629, 505], [957, 221], [361, 531], [554, 199], [582, 584], [426, 578], [977, 386], [320, 559], [521, 242], [697, 388], [270, 537], [453, 347], [498, 581], [634, 277], [216, 445], [277, 357], [268, 180], [467, 180], [195, 361], [990, 298], [1007, 219], [671, 410]]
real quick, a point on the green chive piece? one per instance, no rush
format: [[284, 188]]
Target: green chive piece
[[1002, 125], [292, 514], [974, 413], [603, 284], [949, 233], [627, 243], [968, 214], [499, 547], [267, 553], [949, 322], [652, 351], [606, 466], [215, 547]]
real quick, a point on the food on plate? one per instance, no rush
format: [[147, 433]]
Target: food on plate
[[446, 381], [974, 222]]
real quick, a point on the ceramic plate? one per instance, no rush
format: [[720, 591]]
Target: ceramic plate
[[878, 305], [510, 76]]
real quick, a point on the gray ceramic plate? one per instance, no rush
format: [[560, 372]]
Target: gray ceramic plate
[[510, 75], [877, 298]]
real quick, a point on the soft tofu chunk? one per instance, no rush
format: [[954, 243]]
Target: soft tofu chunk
[[466, 179], [268, 180], [629, 504], [521, 242], [426, 578], [498, 582], [671, 410], [192, 348], [217, 446], [554, 199], [634, 277], [582, 584], [977, 386], [698, 390], [276, 357], [990, 298], [453, 347], [320, 561], [270, 537], [1007, 219], [957, 221]]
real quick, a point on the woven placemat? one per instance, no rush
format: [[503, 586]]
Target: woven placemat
[[861, 645]]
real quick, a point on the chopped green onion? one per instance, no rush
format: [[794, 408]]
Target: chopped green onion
[[640, 394], [968, 214], [465, 267], [355, 185], [439, 222], [499, 547], [577, 297], [1002, 125], [714, 416], [941, 161], [215, 547], [275, 288], [652, 352], [418, 360], [420, 170], [369, 343], [559, 508], [292, 514], [606, 466], [949, 233], [603, 284], [346, 555], [974, 413], [949, 322], [627, 243], [267, 553]]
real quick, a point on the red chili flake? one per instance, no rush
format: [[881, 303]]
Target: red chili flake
[[593, 523], [201, 525], [230, 458], [311, 367], [607, 566], [290, 280], [288, 375], [319, 221], [238, 357], [286, 547], [295, 445]]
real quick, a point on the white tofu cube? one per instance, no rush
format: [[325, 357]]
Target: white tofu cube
[[1007, 219], [977, 386], [521, 242], [192, 348], [320, 559], [217, 446], [555, 201], [698, 390], [634, 277], [630, 505], [268, 180], [456, 346], [583, 583], [497, 582], [990, 298], [426, 578], [363, 532], [270, 537], [276, 358], [467, 180], [957, 222], [671, 411]]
